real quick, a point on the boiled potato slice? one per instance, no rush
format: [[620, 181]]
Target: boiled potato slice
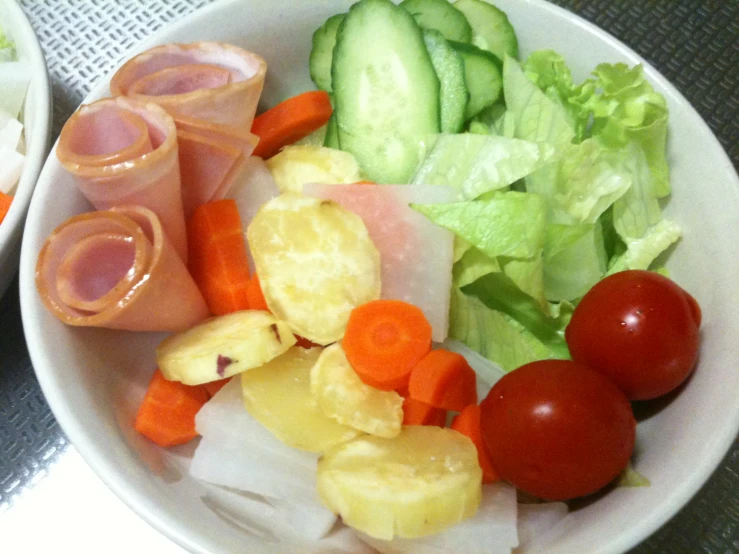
[[418, 483], [343, 396], [278, 396], [315, 262], [298, 165], [223, 346]]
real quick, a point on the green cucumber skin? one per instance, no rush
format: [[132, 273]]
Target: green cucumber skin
[[386, 91], [441, 16], [449, 66], [483, 75], [322, 52], [332, 134], [491, 29]]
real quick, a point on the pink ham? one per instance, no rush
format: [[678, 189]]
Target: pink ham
[[123, 152], [211, 81], [211, 90], [416, 254], [117, 269]]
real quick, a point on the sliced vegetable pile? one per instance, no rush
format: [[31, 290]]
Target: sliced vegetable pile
[[14, 79], [439, 285]]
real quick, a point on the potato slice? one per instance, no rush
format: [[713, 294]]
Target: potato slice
[[316, 263], [297, 165], [278, 396], [418, 483], [343, 396], [223, 346]]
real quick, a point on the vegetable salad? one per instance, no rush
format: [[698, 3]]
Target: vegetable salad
[[434, 285]]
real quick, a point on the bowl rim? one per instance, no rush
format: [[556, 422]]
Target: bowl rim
[[157, 517], [41, 103]]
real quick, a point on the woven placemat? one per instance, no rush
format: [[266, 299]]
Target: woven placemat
[[695, 44]]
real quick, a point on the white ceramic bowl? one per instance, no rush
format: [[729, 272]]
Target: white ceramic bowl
[[37, 127], [94, 379]]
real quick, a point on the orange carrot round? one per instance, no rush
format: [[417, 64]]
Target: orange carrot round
[[290, 121], [384, 340], [167, 414], [420, 413], [468, 423], [445, 380]]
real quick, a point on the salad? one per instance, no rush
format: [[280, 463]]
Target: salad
[[419, 298], [14, 79]]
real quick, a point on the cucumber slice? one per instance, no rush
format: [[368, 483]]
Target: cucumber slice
[[332, 133], [322, 53], [449, 68], [441, 16], [386, 91], [491, 29], [483, 77]]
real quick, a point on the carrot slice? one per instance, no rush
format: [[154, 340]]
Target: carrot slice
[[290, 121], [167, 414], [445, 380], [217, 256], [214, 386], [384, 340], [5, 201], [468, 423], [255, 295], [416, 412]]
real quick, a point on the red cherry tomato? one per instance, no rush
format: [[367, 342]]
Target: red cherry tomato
[[557, 430], [639, 329]]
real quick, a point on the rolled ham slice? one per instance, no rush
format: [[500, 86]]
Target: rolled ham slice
[[117, 269], [211, 90], [124, 152], [211, 81]]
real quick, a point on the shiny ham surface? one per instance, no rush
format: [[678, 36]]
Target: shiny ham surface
[[215, 82], [117, 269], [124, 152], [211, 90]]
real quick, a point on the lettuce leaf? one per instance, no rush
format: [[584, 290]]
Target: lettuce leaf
[[574, 260], [7, 48], [495, 335], [473, 265], [510, 224], [536, 116], [641, 252], [632, 111], [475, 164]]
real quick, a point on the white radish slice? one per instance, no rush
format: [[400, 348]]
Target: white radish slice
[[288, 522], [10, 131], [11, 167], [237, 451], [491, 531], [14, 79], [536, 519], [488, 372], [253, 190], [416, 254]]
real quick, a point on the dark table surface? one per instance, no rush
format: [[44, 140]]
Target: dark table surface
[[695, 44]]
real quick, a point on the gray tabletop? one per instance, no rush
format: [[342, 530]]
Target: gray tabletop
[[49, 498]]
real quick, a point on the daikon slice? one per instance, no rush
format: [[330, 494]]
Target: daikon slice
[[491, 531], [11, 167], [254, 189], [536, 519], [224, 418], [10, 131], [415, 253], [14, 79]]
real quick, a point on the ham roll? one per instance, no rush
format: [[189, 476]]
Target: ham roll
[[117, 269], [124, 152], [211, 90]]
